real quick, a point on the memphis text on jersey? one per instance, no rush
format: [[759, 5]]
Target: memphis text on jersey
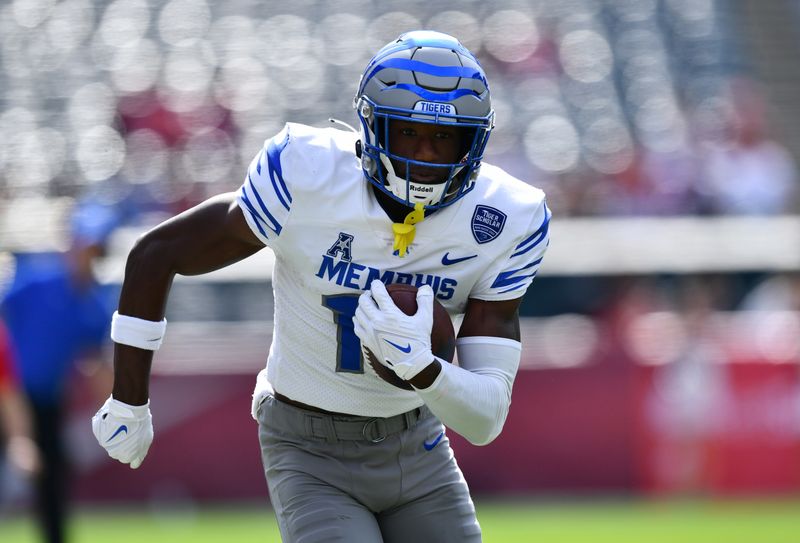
[[337, 266]]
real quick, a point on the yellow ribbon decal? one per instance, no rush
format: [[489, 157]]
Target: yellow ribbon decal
[[404, 232]]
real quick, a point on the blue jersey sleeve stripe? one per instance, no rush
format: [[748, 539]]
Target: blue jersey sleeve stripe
[[512, 288], [276, 226], [542, 236], [542, 230], [512, 281], [508, 278], [256, 218], [276, 172], [537, 237], [258, 162]]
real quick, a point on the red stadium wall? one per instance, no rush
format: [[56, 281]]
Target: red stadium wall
[[611, 424], [746, 442], [569, 430]]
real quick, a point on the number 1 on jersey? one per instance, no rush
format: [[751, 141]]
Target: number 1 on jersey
[[348, 351]]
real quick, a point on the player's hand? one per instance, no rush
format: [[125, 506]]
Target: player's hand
[[399, 341], [124, 431]]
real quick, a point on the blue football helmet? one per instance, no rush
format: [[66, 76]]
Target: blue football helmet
[[426, 77]]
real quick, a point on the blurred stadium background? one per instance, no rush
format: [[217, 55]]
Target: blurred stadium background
[[661, 339]]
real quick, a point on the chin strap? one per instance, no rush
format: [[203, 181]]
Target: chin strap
[[404, 232]]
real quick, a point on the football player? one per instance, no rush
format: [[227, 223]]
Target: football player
[[406, 199]]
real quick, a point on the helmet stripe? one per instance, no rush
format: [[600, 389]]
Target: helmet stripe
[[394, 47], [433, 95], [429, 69]]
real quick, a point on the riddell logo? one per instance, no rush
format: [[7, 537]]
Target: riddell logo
[[422, 188]]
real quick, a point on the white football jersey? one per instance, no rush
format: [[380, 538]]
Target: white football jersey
[[305, 196]]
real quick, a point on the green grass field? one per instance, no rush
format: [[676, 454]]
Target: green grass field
[[502, 522]]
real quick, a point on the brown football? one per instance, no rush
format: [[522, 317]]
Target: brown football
[[443, 336]]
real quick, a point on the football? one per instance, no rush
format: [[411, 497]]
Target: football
[[443, 336]]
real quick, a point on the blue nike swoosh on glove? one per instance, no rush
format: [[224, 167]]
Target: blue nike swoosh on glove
[[432, 444], [406, 349], [122, 428]]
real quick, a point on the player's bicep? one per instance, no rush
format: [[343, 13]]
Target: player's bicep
[[202, 239], [491, 318], [237, 227], [205, 238]]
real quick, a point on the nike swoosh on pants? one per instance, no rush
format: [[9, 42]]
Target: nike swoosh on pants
[[432, 444]]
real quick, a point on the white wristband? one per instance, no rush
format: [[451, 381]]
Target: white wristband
[[138, 332]]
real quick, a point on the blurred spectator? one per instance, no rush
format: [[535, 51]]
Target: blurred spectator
[[194, 135], [20, 451], [605, 94], [57, 316], [778, 292], [687, 398], [749, 172]]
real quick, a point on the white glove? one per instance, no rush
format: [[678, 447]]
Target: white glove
[[399, 341], [124, 431]]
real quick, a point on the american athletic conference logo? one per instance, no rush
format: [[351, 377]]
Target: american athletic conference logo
[[487, 223]]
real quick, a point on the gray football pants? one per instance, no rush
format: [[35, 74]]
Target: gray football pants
[[357, 479]]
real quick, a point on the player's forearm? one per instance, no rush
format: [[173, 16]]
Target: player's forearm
[[148, 276], [473, 400], [131, 374], [473, 405], [426, 377]]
